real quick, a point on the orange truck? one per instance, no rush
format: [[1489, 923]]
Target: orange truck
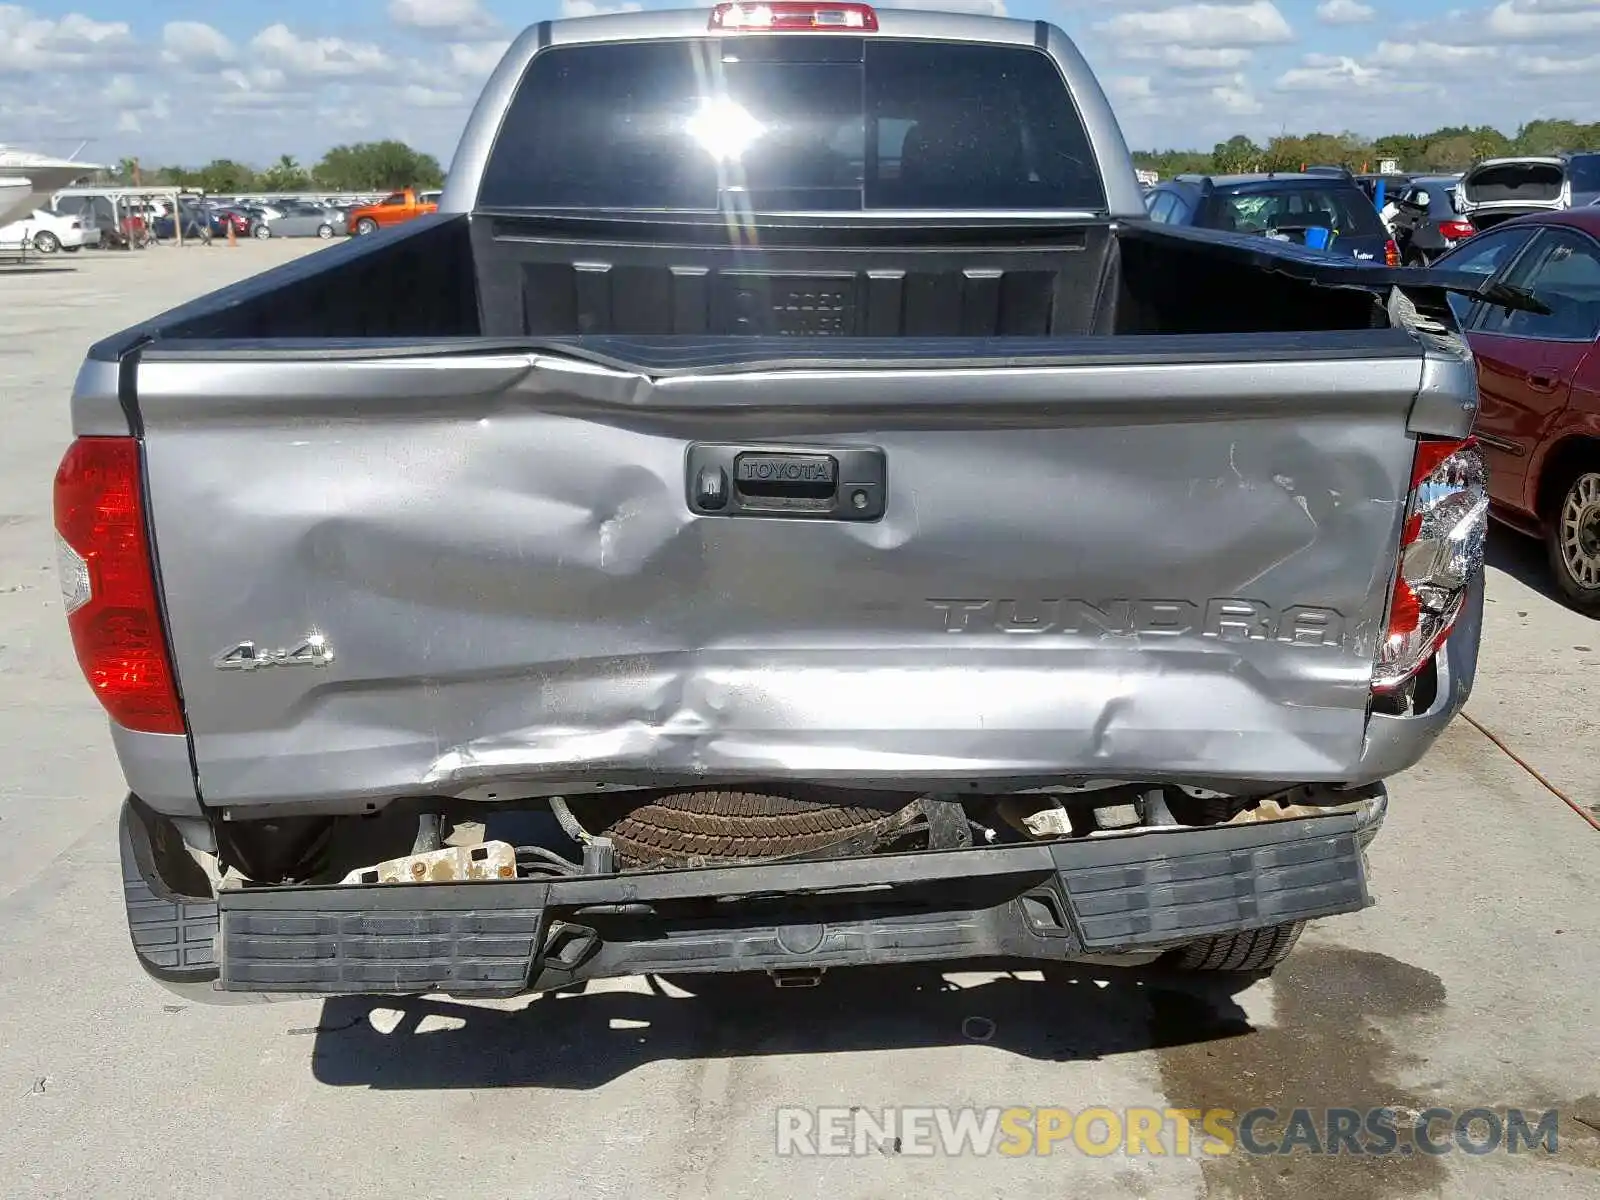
[[399, 207]]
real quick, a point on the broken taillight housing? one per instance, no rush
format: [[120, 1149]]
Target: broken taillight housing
[[108, 585], [1441, 551]]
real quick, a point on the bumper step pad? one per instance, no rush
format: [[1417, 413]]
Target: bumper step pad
[[174, 937], [1059, 901]]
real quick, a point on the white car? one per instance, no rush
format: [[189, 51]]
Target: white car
[[47, 231]]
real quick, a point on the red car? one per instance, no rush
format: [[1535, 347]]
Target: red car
[[222, 218], [1539, 387]]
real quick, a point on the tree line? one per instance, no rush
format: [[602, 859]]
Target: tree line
[[1454, 148], [362, 167]]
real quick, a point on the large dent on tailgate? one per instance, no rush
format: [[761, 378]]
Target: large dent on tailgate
[[1158, 573]]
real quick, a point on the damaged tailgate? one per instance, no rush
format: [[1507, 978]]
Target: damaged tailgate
[[424, 571]]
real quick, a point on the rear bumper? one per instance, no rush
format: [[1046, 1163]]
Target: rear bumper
[[1124, 895]]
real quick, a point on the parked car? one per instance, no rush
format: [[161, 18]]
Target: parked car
[[1499, 189], [222, 218], [47, 230], [196, 224], [1426, 222], [97, 214], [1048, 635], [1539, 387], [1392, 183], [1325, 210], [395, 209], [303, 220]]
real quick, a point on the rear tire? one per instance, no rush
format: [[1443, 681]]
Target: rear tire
[[46, 242], [1250, 952], [263, 231], [365, 226], [324, 232], [1572, 541]]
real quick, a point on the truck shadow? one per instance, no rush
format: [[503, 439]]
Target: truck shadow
[[583, 1038], [1522, 558]]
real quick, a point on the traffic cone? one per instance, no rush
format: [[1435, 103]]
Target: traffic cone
[[233, 236]]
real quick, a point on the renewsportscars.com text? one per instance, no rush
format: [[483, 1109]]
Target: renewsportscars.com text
[[1179, 1132]]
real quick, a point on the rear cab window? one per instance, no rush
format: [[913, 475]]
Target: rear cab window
[[775, 124], [1257, 208]]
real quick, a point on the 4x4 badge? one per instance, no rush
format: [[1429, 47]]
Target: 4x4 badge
[[312, 651]]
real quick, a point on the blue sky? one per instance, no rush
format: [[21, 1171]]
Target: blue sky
[[186, 81]]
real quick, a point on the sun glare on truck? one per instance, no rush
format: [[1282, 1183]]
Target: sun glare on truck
[[724, 128]]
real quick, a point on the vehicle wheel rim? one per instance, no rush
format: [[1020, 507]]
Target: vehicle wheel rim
[[325, 232], [1580, 531]]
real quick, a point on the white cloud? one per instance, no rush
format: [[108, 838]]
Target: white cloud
[[195, 44], [245, 87], [1546, 65], [1191, 58], [1256, 24], [1411, 55], [418, 96], [278, 46], [982, 8], [1236, 100], [1130, 87], [1201, 58], [1345, 12], [474, 60], [588, 8], [1543, 20], [461, 16], [30, 43], [1328, 73]]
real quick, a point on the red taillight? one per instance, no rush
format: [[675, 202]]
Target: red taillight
[[108, 586], [1441, 551], [791, 16], [1457, 230], [1391, 254]]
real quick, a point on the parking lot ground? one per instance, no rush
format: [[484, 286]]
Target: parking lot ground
[[1473, 983]]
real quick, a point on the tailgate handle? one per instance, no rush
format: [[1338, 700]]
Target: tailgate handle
[[843, 483], [787, 480]]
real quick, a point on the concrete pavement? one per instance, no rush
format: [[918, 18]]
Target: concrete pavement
[[1472, 983]]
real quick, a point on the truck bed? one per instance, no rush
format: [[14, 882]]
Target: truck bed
[[508, 277]]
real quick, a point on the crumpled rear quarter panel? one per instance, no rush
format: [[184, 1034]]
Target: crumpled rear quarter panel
[[499, 551]]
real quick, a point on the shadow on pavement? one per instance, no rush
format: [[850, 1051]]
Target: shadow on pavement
[[581, 1039], [1522, 558], [15, 269]]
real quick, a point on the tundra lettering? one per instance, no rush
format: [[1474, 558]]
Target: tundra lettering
[[1226, 618]]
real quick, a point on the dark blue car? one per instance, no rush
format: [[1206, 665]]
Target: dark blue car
[[1321, 210], [196, 225]]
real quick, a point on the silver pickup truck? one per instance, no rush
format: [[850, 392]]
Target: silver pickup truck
[[787, 509]]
